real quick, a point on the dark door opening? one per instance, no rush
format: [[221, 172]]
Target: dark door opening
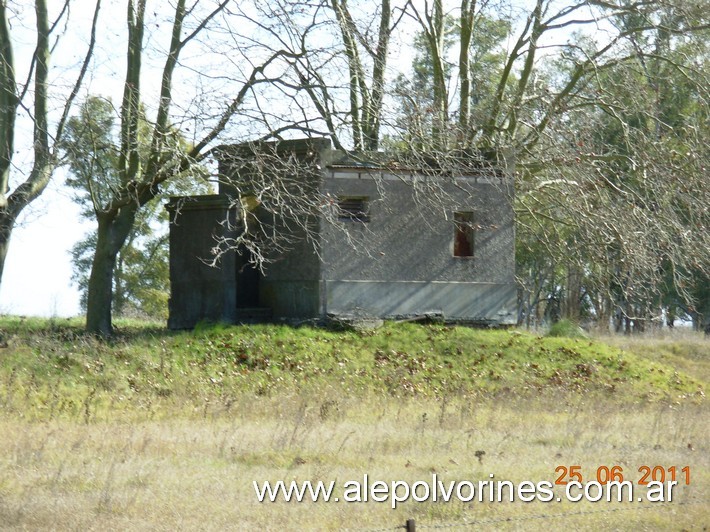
[[247, 281]]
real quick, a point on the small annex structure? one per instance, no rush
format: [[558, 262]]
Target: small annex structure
[[384, 240]]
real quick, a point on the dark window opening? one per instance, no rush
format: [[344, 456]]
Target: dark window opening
[[353, 209], [464, 234]]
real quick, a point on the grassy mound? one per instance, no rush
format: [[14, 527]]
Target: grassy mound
[[52, 368]]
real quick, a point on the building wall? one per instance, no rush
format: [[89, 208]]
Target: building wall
[[290, 285], [401, 261], [199, 291], [484, 303]]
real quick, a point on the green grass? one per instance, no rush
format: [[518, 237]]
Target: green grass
[[682, 350]]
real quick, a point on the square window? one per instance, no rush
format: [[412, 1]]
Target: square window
[[353, 209], [464, 232]]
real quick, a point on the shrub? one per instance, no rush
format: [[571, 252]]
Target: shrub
[[567, 329]]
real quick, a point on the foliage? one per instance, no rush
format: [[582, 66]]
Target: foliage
[[614, 183], [414, 90], [141, 284]]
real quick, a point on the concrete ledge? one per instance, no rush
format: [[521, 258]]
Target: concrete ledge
[[200, 203], [491, 303]]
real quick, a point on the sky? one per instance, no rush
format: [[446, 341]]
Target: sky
[[37, 277]]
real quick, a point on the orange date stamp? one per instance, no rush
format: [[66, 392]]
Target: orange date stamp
[[605, 474]]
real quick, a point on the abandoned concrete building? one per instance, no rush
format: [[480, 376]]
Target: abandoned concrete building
[[379, 246]]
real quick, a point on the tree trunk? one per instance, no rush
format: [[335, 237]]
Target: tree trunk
[[372, 133], [6, 225], [572, 309], [465, 33], [112, 233], [441, 109], [44, 142]]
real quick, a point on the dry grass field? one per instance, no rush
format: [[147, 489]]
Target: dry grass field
[[82, 449]]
